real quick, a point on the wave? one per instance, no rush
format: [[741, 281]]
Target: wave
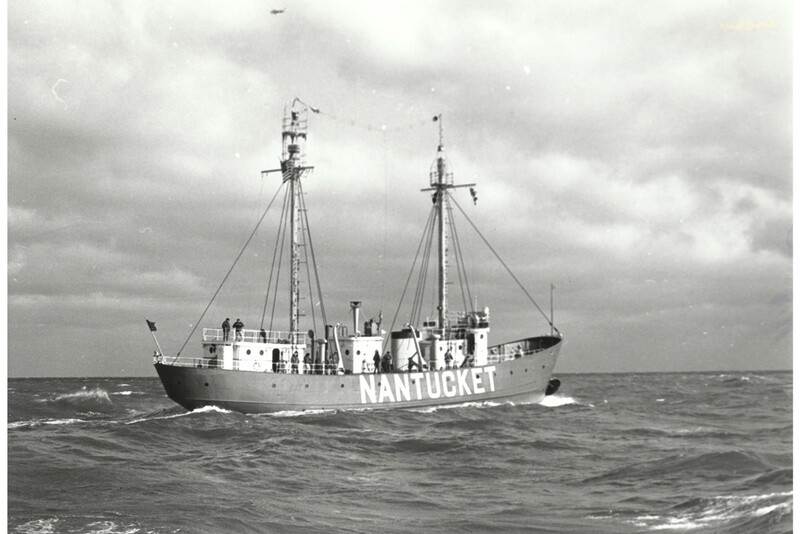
[[298, 413], [40, 422], [694, 432], [197, 411], [730, 510], [42, 526], [471, 404], [731, 462], [96, 394], [553, 401]]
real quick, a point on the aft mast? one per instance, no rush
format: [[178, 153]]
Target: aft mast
[[441, 181]]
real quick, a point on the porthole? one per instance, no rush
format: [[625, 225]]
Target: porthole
[[248, 351], [481, 336], [511, 372], [526, 370], [342, 386], [461, 347], [273, 385], [261, 352], [347, 352], [543, 367], [212, 349], [206, 384], [306, 386]]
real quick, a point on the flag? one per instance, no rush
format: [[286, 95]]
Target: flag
[[151, 325]]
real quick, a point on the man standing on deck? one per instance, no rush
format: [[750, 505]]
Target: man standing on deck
[[237, 327], [226, 328], [295, 362], [387, 363], [334, 364], [448, 359], [376, 360]]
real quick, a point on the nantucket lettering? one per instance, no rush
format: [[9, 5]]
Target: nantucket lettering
[[400, 387]]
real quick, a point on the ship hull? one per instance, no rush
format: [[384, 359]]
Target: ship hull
[[523, 379]]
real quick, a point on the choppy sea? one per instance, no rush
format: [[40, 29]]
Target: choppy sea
[[609, 453]]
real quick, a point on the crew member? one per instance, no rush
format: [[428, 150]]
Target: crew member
[[387, 363], [334, 363], [376, 361], [237, 328], [295, 362], [448, 359], [226, 328]]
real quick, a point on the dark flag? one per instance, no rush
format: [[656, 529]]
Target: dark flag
[[151, 325]]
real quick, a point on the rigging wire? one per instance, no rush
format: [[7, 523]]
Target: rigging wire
[[313, 258], [197, 323], [496, 255], [280, 262], [463, 264], [275, 254], [304, 232], [410, 272], [451, 225], [371, 127], [419, 298]]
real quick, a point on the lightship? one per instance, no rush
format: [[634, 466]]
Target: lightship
[[430, 361]]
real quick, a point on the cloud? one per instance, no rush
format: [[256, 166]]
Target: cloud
[[638, 158]]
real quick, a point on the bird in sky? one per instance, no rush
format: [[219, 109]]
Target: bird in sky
[[277, 11]]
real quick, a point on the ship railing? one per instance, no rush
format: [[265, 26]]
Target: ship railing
[[505, 356], [212, 335]]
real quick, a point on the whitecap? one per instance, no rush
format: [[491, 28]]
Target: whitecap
[[39, 422], [38, 526], [552, 401], [109, 527], [204, 409], [96, 393], [718, 511], [470, 404]]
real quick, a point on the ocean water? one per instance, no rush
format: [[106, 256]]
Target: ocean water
[[709, 452]]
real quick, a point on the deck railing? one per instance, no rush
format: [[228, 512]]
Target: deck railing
[[510, 355], [285, 367], [253, 336]]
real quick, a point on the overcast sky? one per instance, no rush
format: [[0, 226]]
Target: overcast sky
[[638, 155]]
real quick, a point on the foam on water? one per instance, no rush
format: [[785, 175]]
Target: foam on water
[[39, 422], [553, 401], [204, 409], [38, 526], [718, 512], [83, 394], [473, 404]]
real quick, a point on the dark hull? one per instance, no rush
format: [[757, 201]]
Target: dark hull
[[524, 379]]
